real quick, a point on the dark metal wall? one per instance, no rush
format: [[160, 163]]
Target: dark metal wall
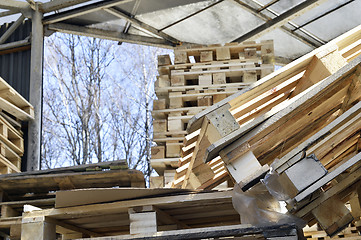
[[15, 63], [15, 69]]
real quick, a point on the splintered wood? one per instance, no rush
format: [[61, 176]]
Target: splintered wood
[[13, 110], [304, 120], [199, 78]]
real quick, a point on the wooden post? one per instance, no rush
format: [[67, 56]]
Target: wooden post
[[37, 228]]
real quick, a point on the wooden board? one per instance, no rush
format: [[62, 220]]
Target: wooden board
[[51, 182], [90, 196]]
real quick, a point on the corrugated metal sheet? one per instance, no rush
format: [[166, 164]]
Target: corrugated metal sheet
[[15, 66], [15, 69]]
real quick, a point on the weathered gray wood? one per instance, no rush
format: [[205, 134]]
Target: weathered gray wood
[[339, 187], [328, 177], [269, 231]]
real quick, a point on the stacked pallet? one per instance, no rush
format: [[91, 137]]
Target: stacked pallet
[[199, 78], [14, 109], [304, 121]]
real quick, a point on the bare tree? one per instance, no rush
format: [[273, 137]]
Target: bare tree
[[75, 67], [97, 101]]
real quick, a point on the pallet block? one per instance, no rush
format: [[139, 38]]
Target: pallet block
[[205, 101], [205, 79], [143, 222], [177, 80], [301, 175], [159, 104], [332, 215], [162, 81], [206, 56], [156, 182], [173, 149], [158, 152], [223, 53], [175, 102], [175, 125], [180, 57], [164, 60], [160, 125], [219, 78], [250, 77]]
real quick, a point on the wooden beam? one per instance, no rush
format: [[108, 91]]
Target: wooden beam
[[110, 35]]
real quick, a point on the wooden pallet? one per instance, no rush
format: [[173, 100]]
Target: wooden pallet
[[13, 103], [187, 87], [272, 98], [305, 113]]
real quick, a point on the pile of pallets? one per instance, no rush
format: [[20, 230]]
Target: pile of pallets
[[14, 110], [199, 77], [304, 122]]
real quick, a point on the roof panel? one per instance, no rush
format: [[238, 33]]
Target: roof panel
[[220, 24], [212, 21]]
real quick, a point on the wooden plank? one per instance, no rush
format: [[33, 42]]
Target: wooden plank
[[119, 206], [44, 183]]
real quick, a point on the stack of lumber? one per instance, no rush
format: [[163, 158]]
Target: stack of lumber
[[146, 214], [303, 120], [38, 188], [14, 110], [199, 78]]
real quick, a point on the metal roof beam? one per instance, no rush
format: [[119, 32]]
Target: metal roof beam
[[8, 13], [110, 35], [191, 15], [59, 4], [264, 17], [12, 29], [280, 20], [82, 10], [13, 5], [140, 24]]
